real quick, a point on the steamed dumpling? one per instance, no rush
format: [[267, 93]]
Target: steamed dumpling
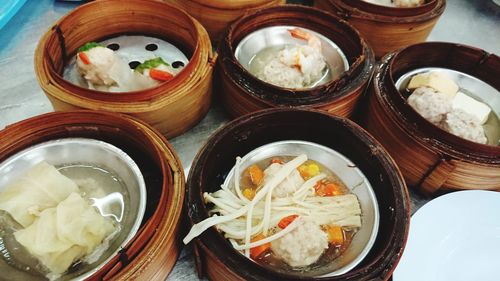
[[96, 64], [66, 233], [104, 70], [39, 188]]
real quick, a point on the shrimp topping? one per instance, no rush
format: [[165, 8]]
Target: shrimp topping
[[312, 40]]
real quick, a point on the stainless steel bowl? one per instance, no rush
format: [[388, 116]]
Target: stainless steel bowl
[[351, 175], [468, 84], [471, 86], [279, 36], [70, 151]]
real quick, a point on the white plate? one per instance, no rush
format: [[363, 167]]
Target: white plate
[[454, 237]]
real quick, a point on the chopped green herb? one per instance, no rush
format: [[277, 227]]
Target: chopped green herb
[[88, 46], [152, 63]]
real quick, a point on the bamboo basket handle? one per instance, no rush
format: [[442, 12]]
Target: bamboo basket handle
[[434, 179]]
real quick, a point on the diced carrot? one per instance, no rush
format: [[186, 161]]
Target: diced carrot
[[255, 252], [303, 171], [160, 75], [318, 185], [256, 174], [284, 222], [335, 234], [249, 193], [277, 160], [333, 189], [85, 59], [324, 188]]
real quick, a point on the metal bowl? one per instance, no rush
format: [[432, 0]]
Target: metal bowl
[[263, 38], [76, 151], [351, 175], [467, 84]]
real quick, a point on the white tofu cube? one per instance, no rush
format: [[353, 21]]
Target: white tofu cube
[[470, 105], [439, 81]]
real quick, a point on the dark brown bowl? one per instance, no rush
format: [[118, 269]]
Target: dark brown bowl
[[156, 246], [216, 258], [243, 93], [429, 157]]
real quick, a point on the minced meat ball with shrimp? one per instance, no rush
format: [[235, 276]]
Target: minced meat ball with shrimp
[[97, 72]]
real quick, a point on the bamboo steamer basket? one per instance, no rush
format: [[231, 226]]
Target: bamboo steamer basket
[[216, 15], [215, 256], [153, 251], [430, 158], [172, 107], [243, 93], [387, 29]]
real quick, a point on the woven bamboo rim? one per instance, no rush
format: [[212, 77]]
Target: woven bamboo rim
[[153, 251], [243, 93], [387, 29], [172, 107], [216, 15], [430, 158], [214, 255]]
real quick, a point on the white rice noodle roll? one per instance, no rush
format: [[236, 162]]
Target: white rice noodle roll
[[39, 188], [66, 233]]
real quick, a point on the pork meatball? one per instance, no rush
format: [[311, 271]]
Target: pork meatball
[[303, 245], [288, 186], [432, 105], [464, 125]]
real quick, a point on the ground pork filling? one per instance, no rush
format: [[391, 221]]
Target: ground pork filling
[[437, 108], [302, 246]]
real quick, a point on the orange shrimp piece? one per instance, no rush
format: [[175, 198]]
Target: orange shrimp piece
[[312, 40]]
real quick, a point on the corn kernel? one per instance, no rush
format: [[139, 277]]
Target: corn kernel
[[249, 193]]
